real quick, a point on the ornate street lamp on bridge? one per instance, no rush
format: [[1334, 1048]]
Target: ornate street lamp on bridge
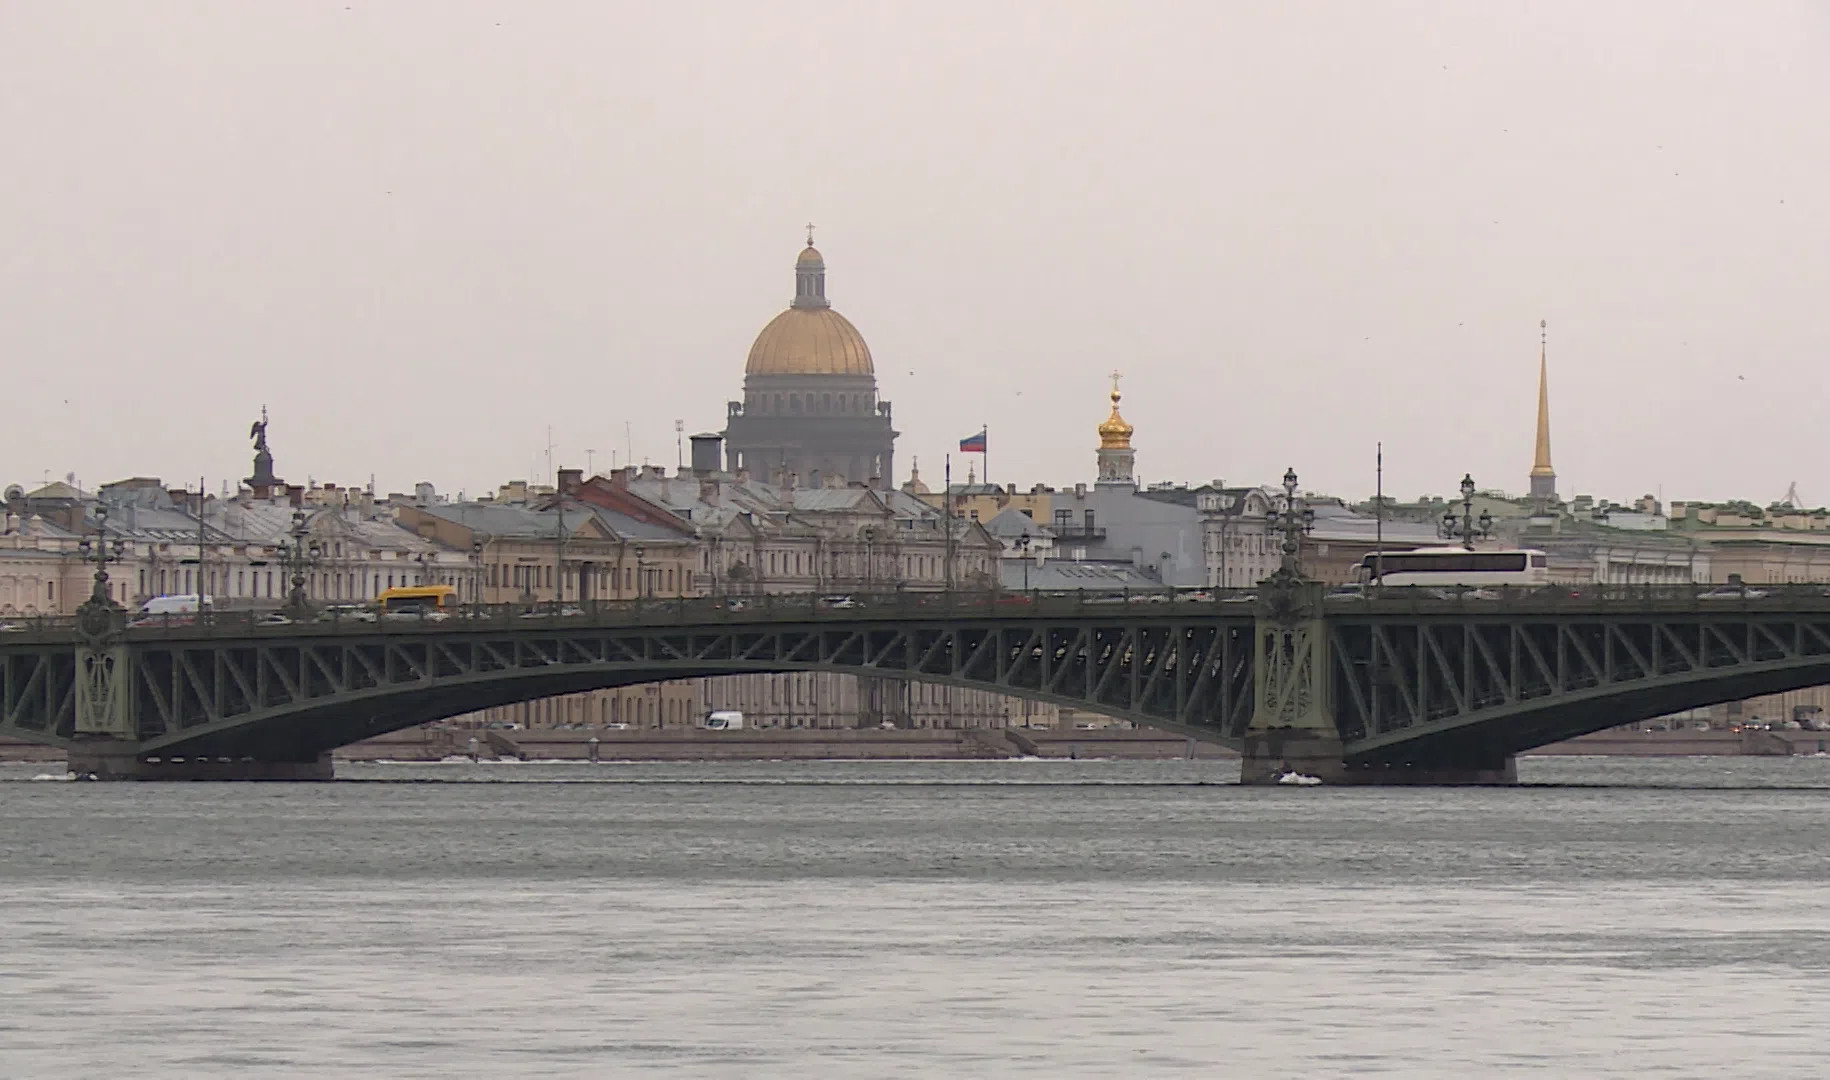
[[1293, 519], [100, 552], [299, 554], [1467, 529]]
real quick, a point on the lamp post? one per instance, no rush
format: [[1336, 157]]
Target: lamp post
[[641, 573], [101, 553], [559, 556], [298, 554], [1021, 543], [1292, 520], [476, 571], [1466, 529]]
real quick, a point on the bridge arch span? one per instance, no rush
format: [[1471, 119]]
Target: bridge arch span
[[308, 694], [1502, 690], [300, 731]]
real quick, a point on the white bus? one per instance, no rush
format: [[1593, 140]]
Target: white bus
[[1452, 566]]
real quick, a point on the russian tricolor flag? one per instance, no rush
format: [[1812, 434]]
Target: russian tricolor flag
[[973, 444]]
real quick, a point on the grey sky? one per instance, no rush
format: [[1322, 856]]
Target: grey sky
[[421, 232]]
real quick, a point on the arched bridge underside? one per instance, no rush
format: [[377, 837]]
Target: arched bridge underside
[[296, 695], [1407, 685]]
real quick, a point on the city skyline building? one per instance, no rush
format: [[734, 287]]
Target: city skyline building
[[810, 411]]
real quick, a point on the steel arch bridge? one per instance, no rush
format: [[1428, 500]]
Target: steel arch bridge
[[1408, 687]]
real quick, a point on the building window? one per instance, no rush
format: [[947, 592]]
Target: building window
[[1089, 524]]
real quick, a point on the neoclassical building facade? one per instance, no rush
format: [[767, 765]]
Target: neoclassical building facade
[[810, 412]]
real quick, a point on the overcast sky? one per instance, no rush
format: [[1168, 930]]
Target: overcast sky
[[422, 232]]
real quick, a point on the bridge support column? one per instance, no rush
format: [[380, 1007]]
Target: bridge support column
[[104, 692], [1292, 728], [113, 760]]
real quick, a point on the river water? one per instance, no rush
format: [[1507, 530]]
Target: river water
[[1612, 917]]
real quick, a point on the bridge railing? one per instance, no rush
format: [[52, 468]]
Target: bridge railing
[[1347, 601], [661, 611]]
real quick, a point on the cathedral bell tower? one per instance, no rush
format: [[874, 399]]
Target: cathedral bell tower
[[1116, 458]]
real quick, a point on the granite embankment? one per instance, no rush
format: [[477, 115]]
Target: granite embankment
[[837, 744], [435, 743]]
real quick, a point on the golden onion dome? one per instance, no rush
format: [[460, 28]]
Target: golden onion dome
[[1115, 434], [810, 338], [809, 341]]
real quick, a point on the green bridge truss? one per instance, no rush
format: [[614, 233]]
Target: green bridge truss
[[1402, 682]]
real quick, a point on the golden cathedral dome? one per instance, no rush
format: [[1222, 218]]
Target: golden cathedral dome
[[1115, 434], [809, 341], [810, 338]]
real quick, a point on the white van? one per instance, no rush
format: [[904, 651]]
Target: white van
[[172, 610], [179, 604], [724, 720]]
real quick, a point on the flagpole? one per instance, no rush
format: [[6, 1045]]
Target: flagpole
[[947, 516], [1379, 513], [985, 453]]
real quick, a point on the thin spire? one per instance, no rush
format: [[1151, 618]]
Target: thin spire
[[1540, 462], [810, 234]]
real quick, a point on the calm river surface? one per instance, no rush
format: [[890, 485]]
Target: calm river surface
[[1623, 917]]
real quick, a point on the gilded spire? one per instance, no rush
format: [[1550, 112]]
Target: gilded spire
[[1115, 434], [1540, 462]]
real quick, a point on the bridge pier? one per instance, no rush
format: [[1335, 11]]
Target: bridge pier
[[1498, 771], [1268, 755], [108, 760]]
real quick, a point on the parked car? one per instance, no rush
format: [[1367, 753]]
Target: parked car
[[1732, 592], [274, 618], [566, 612], [839, 602], [347, 613]]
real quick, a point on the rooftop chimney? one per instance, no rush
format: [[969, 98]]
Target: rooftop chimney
[[708, 451], [570, 480]]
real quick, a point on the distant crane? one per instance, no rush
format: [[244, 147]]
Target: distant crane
[[1791, 497]]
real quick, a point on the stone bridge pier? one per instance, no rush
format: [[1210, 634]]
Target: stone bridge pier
[[1294, 728], [112, 759]]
